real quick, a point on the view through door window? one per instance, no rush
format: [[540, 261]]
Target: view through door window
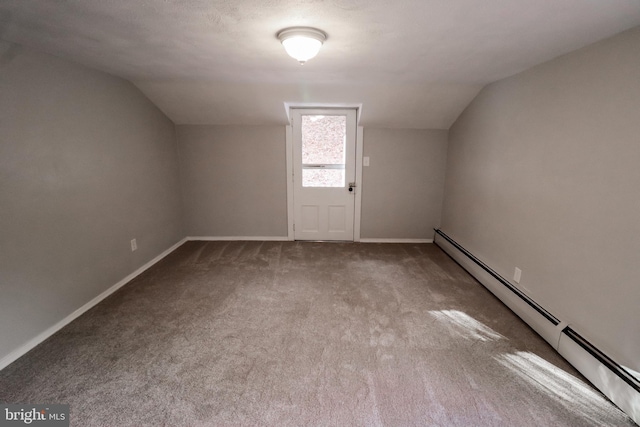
[[323, 150]]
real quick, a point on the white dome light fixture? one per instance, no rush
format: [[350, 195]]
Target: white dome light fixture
[[302, 43]]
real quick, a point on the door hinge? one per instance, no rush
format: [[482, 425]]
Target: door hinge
[[294, 227]]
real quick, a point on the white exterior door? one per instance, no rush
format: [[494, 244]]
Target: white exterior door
[[324, 172]]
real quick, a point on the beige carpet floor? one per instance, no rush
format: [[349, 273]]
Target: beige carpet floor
[[305, 334]]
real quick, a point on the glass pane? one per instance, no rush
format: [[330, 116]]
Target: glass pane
[[323, 139], [323, 177]]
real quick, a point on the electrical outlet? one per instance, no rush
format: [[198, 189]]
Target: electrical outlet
[[517, 275], [134, 245]]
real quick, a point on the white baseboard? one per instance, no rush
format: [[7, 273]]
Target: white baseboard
[[240, 238], [385, 240], [286, 238], [26, 347]]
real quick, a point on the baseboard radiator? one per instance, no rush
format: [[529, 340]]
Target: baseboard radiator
[[615, 382]]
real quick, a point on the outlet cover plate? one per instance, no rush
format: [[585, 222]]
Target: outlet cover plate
[[517, 274]]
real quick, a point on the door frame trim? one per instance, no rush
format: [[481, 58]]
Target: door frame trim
[[290, 210], [357, 212], [358, 196]]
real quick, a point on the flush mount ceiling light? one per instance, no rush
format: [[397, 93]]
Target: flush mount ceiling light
[[302, 43]]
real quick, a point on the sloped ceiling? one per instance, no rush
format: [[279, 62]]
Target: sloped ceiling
[[410, 63]]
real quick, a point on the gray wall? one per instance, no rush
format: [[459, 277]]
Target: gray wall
[[403, 186], [543, 173], [86, 164], [233, 180]]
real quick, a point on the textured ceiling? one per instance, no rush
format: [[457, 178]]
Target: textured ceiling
[[410, 63]]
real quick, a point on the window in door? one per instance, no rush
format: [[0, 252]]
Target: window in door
[[323, 150]]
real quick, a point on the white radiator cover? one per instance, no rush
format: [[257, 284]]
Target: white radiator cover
[[540, 324], [603, 378]]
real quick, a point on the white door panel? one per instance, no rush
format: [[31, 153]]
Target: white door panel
[[310, 219], [337, 219], [324, 154]]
